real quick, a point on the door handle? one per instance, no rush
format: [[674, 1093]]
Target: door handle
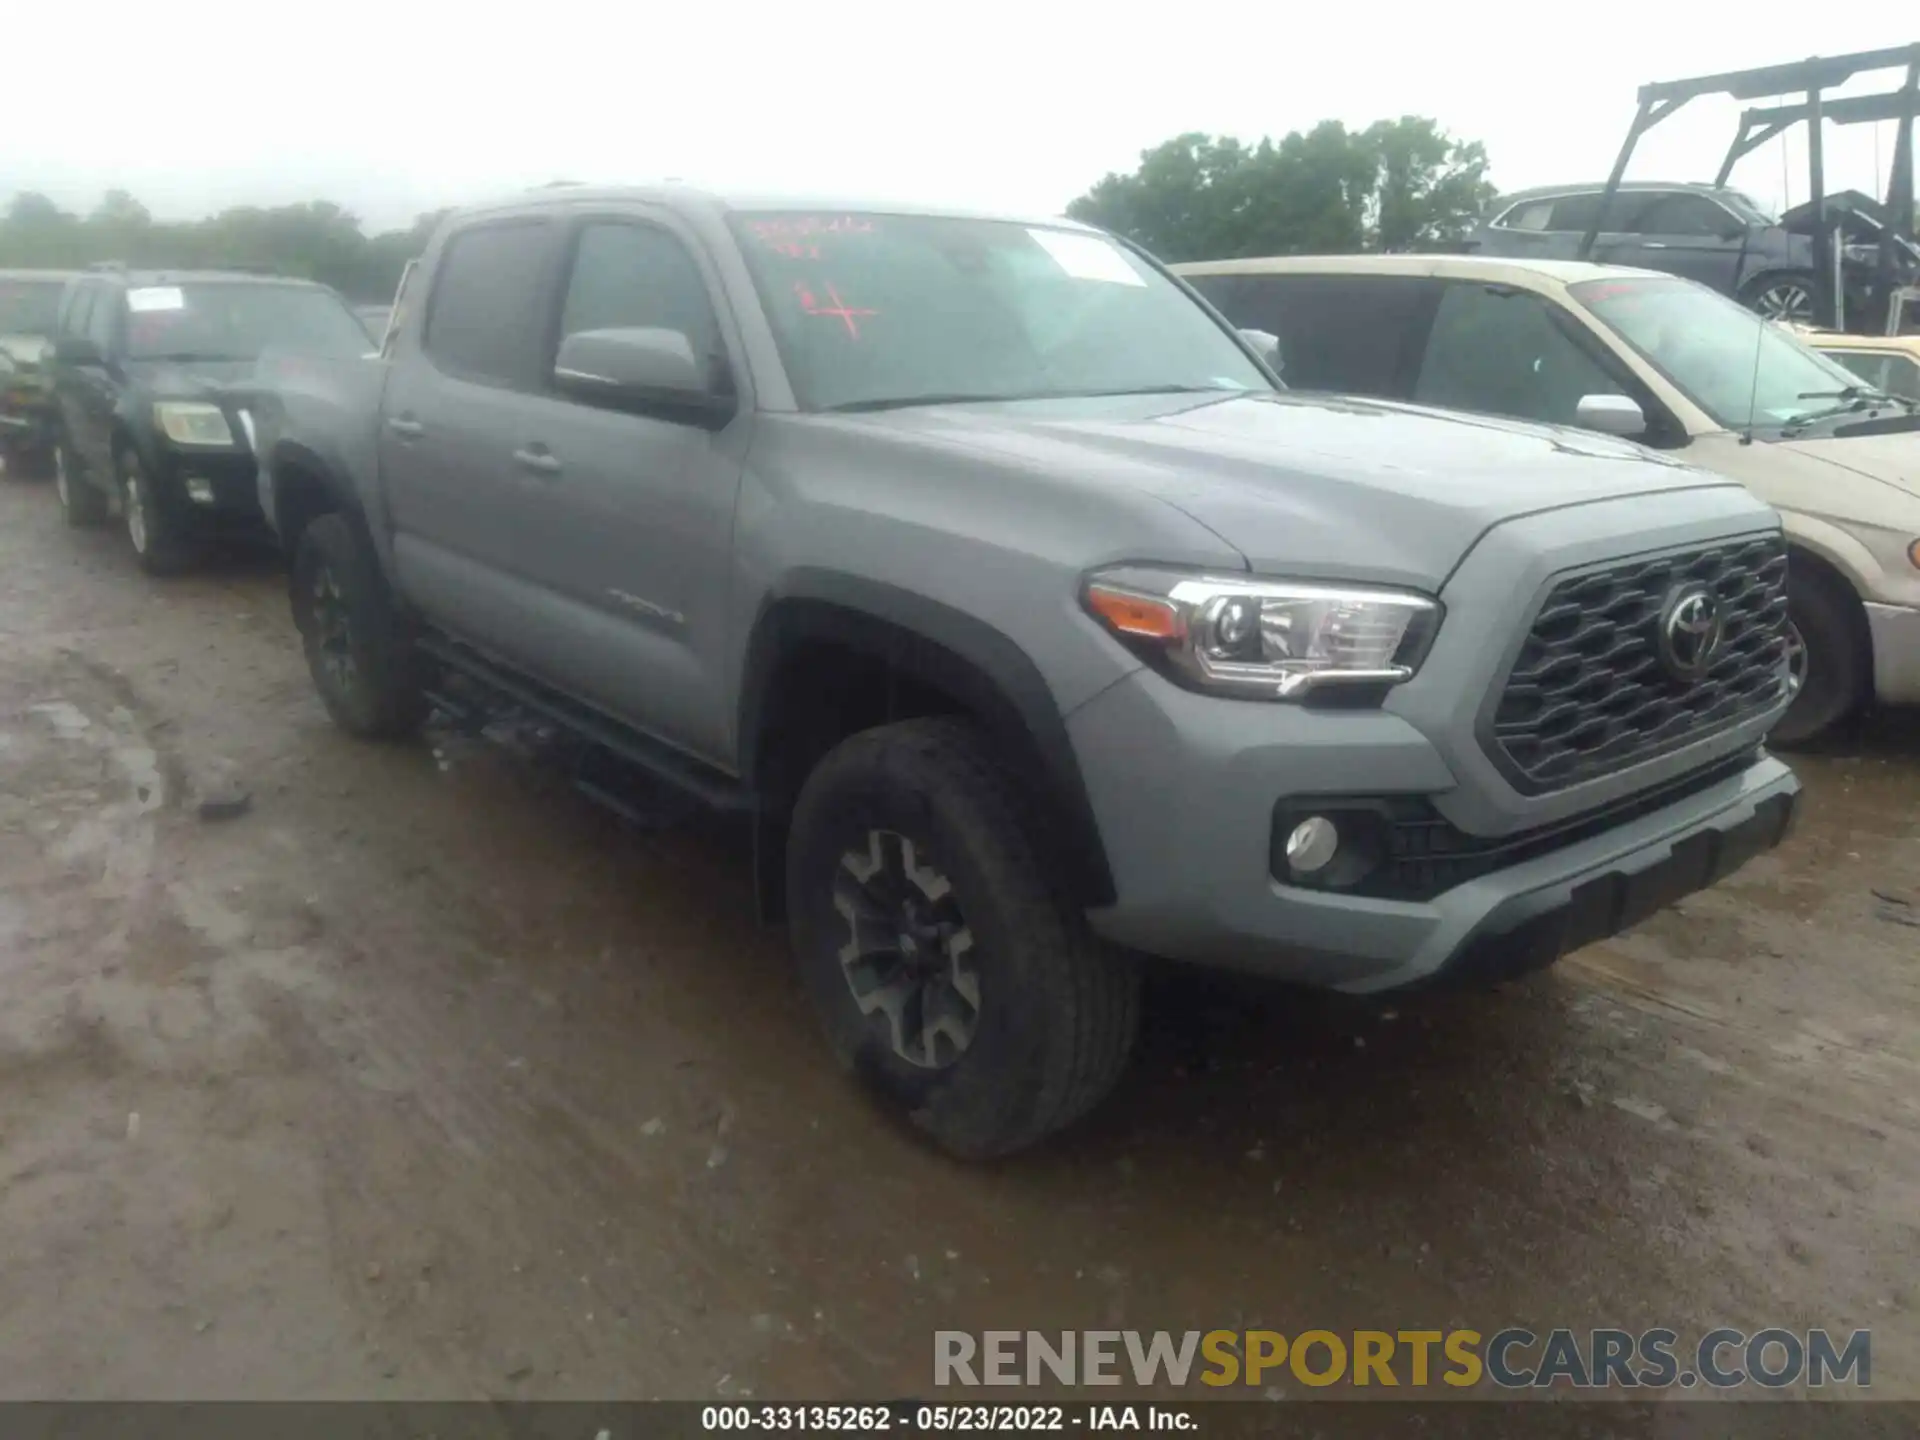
[[1654, 245], [538, 461], [406, 429]]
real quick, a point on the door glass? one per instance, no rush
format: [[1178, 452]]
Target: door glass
[[1534, 215], [634, 276], [487, 318], [1499, 351], [103, 322], [74, 321], [1689, 215], [1342, 333], [1576, 212]]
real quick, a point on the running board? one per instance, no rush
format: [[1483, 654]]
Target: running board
[[658, 759]]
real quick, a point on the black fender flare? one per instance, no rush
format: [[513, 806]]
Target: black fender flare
[[951, 651], [326, 472]]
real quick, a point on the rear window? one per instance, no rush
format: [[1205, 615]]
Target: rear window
[[1354, 334]]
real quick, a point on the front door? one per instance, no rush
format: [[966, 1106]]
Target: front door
[[630, 515], [1679, 233]]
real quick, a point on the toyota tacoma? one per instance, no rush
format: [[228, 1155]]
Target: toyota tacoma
[[1029, 619]]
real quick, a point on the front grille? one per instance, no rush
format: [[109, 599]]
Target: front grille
[[1590, 693]]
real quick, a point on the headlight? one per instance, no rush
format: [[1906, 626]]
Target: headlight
[[188, 422], [1264, 639]]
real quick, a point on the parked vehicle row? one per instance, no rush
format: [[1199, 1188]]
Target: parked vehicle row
[[1030, 623], [29, 301], [1669, 364], [150, 382]]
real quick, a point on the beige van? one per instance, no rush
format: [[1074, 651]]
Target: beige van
[[1664, 361]]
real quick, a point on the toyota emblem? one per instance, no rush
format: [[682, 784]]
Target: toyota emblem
[[1691, 627]]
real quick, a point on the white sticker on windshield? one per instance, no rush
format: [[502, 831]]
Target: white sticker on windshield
[[1087, 257], [155, 297]]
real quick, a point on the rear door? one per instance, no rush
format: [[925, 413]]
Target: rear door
[[452, 416]]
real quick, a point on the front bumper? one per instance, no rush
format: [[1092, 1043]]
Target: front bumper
[[229, 487], [1895, 632], [1186, 804]]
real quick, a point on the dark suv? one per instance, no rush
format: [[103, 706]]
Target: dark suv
[[149, 373], [29, 300], [1709, 233]]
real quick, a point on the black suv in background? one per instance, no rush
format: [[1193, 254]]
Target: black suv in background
[[150, 373], [29, 303], [1709, 233]]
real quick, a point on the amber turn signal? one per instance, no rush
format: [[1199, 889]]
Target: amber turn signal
[[1137, 615]]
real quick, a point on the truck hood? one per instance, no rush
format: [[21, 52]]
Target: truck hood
[[1315, 486], [1893, 460]]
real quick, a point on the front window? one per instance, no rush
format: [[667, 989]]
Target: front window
[[1740, 369], [872, 311], [29, 307], [237, 320]]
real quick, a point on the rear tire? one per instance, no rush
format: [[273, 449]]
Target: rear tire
[[950, 972], [1826, 656], [161, 540], [361, 659], [81, 505]]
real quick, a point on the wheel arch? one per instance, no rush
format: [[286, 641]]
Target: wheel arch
[[835, 654], [1807, 560]]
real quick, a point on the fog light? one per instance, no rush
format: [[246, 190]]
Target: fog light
[[1312, 844], [200, 489]]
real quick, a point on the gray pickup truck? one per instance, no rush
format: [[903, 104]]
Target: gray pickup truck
[[1032, 623]]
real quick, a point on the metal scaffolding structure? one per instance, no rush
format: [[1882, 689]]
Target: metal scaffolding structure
[[1808, 78]]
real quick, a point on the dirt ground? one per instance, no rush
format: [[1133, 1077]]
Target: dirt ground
[[426, 1078]]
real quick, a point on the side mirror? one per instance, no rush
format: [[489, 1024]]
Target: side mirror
[[1266, 346], [77, 350], [638, 369], [1611, 415]]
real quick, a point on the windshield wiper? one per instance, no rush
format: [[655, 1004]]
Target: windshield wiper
[[186, 355], [1853, 398]]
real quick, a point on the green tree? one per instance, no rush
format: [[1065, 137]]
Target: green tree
[[1398, 184], [318, 240]]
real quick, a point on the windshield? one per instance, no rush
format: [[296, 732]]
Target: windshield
[[1706, 345], [872, 310], [237, 320], [28, 307]]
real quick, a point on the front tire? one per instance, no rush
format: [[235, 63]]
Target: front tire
[[161, 542], [357, 651], [1826, 663], [950, 972]]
